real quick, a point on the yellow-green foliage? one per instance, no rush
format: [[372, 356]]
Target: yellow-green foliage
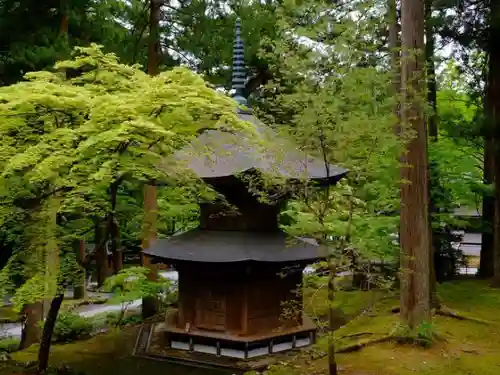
[[66, 135]]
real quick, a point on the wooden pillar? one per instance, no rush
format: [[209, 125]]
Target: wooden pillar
[[244, 310]]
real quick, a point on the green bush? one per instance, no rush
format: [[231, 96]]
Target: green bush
[[424, 335], [71, 327], [114, 319], [9, 345], [131, 320]]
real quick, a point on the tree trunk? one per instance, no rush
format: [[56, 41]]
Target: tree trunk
[[33, 315], [431, 71], [332, 363], [114, 230], [80, 286], [395, 47], [101, 253], [433, 136], [63, 27], [488, 206], [494, 120], [414, 224], [154, 38], [150, 304], [48, 330]]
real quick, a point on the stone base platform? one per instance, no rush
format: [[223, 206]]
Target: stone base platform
[[159, 341]]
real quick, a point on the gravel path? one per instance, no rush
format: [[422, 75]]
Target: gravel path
[[14, 329]]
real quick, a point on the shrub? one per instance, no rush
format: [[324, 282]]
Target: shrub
[[71, 327], [9, 345], [131, 320], [115, 319], [424, 335]]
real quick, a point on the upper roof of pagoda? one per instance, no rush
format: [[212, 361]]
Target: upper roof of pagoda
[[217, 153], [220, 154]]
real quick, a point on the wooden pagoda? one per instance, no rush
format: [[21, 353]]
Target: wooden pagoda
[[239, 274]]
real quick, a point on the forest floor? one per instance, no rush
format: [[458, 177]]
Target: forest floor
[[462, 346], [465, 346]]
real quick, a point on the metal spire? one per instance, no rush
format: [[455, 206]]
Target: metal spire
[[239, 75]]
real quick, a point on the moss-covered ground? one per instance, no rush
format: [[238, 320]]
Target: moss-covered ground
[[465, 347]]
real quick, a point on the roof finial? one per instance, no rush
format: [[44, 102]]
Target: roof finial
[[239, 76]]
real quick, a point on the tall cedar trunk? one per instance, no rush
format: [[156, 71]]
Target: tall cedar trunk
[[431, 71], [332, 363], [34, 312], [80, 287], [48, 330], [102, 261], [486, 265], [494, 98], [414, 225], [150, 304], [63, 27], [488, 214], [30, 334], [395, 48], [114, 230], [433, 136]]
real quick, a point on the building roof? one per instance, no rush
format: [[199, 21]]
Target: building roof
[[217, 246], [218, 153]]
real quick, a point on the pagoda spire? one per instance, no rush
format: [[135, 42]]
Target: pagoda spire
[[239, 74]]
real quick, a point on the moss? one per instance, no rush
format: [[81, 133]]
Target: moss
[[346, 303], [468, 347], [105, 354]]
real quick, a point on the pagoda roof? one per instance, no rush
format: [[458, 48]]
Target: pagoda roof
[[220, 153], [218, 246]]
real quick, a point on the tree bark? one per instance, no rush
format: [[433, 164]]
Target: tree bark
[[154, 38], [433, 136], [114, 230], [414, 224], [150, 304], [488, 208], [431, 71], [80, 287], [395, 48], [332, 363], [33, 315], [48, 330], [64, 26], [102, 261], [494, 98]]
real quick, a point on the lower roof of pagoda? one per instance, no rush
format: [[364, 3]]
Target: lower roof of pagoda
[[224, 246]]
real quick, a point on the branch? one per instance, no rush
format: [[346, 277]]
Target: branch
[[363, 344]]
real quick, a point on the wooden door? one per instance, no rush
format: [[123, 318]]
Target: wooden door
[[211, 308]]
